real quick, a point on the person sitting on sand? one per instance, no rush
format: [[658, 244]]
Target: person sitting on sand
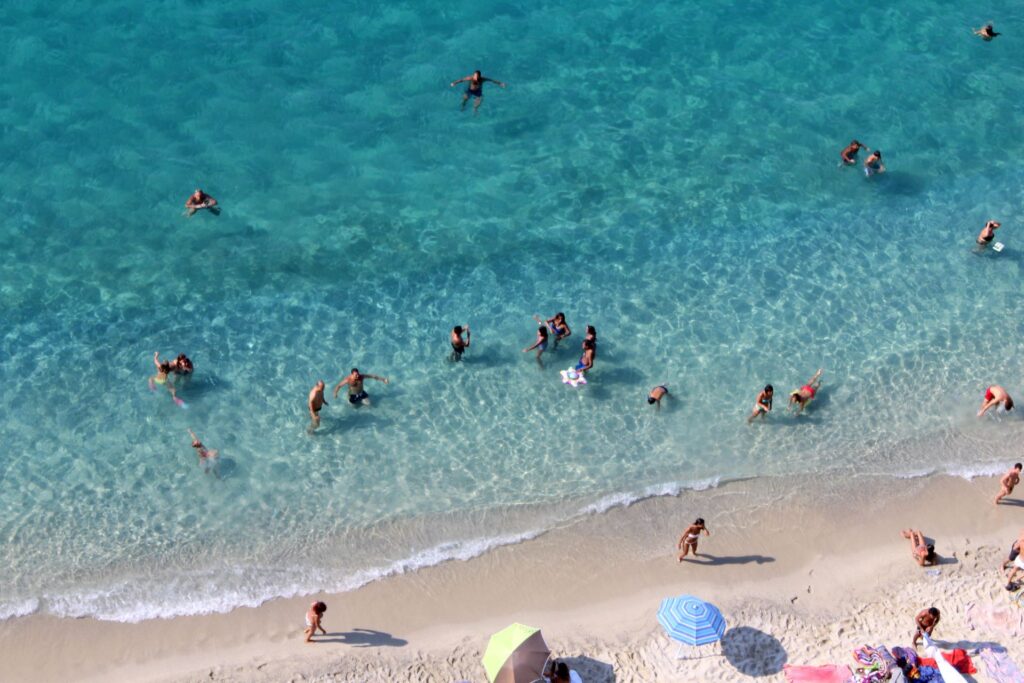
[[475, 88], [313, 620], [995, 395], [657, 393], [849, 155], [1009, 480], [925, 623], [541, 344], [354, 381], [207, 457], [805, 394], [1017, 563], [873, 164], [986, 32], [1014, 552], [763, 403], [200, 200], [316, 403], [688, 541], [561, 673], [988, 233], [459, 345], [923, 552], [557, 326]]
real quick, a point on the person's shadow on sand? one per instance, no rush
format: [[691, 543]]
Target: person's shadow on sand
[[364, 637], [717, 560]]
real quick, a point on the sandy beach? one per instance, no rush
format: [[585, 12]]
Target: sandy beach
[[803, 570]]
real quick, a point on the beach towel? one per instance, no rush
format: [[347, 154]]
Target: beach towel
[[1000, 667], [907, 653], [876, 660], [948, 673], [828, 673], [961, 661], [999, 617]]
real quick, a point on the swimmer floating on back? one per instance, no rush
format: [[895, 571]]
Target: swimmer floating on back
[[475, 88], [994, 396], [207, 457], [986, 32], [988, 233], [805, 394]]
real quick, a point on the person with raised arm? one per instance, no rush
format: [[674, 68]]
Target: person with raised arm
[[475, 88], [354, 381]]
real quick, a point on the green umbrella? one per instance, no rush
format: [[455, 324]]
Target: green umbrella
[[516, 654]]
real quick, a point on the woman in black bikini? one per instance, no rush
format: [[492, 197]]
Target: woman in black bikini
[[475, 88]]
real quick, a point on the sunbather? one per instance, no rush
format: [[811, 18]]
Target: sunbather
[[923, 552]]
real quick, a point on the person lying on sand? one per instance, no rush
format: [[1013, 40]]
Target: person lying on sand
[[688, 541], [922, 552], [926, 621], [1009, 480]]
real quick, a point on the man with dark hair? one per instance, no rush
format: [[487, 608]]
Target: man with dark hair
[[763, 404], [475, 88], [1009, 480], [657, 393], [458, 344], [354, 381], [925, 623]]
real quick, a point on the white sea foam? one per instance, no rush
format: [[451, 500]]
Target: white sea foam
[[18, 608], [656, 491]]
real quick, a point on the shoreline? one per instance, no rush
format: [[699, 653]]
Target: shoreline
[[594, 584]]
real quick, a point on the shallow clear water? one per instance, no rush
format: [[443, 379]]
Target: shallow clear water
[[664, 171]]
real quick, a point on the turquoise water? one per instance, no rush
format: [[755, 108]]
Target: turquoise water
[[664, 171]]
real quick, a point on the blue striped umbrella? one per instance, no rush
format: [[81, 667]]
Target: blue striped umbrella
[[690, 620]]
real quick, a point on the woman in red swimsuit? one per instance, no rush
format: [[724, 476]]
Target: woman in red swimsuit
[[805, 394]]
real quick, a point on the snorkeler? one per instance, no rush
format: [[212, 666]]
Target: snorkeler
[[200, 200], [763, 403], [986, 32], [587, 359], [657, 393], [458, 345], [207, 457], [316, 403], [557, 326], [849, 155], [475, 89], [988, 233], [805, 394], [995, 395], [354, 381], [541, 344], [873, 164]]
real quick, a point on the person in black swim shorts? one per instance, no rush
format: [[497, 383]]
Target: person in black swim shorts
[[475, 88], [354, 382]]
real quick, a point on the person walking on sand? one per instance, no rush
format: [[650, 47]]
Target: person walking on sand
[[541, 344], [922, 552], [995, 395], [207, 457], [763, 403], [688, 541], [805, 394], [313, 620], [925, 623], [988, 233], [459, 345], [1009, 480], [475, 89], [657, 393], [200, 200], [316, 403], [356, 394]]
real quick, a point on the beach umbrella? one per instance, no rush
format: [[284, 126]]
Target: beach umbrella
[[691, 621], [516, 654]]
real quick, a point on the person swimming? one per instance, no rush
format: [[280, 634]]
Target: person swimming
[[873, 164], [474, 88], [163, 369], [656, 394], [200, 200], [207, 457], [805, 394], [557, 326], [995, 395], [849, 155], [459, 345], [763, 403], [541, 344], [988, 233], [986, 32]]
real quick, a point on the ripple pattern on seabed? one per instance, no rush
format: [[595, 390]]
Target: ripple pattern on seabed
[[665, 173]]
